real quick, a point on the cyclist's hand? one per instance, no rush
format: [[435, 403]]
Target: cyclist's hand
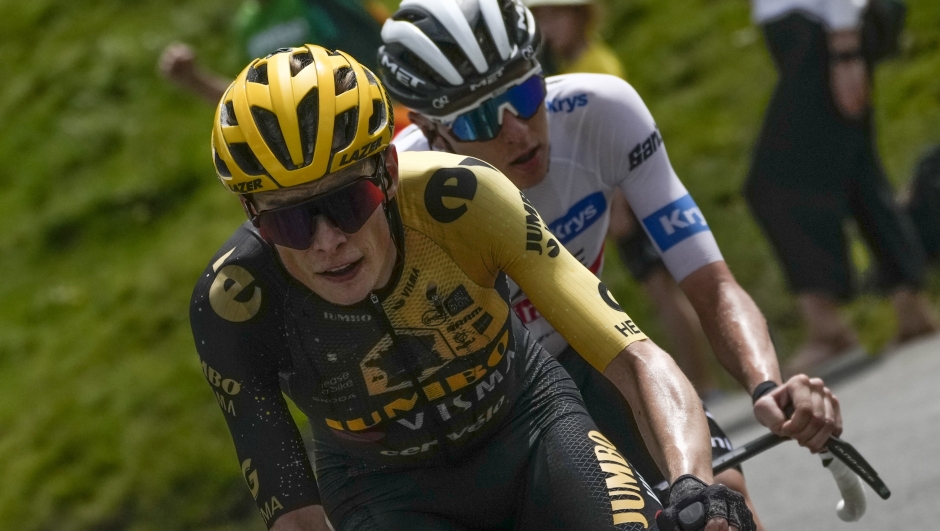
[[816, 414], [719, 508], [178, 63], [850, 90]]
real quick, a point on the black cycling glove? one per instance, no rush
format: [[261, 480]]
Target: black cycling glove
[[715, 501]]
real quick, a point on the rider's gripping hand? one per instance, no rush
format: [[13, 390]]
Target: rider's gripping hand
[[815, 417], [719, 509]]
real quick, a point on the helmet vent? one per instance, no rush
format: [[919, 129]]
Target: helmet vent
[[421, 66], [300, 61], [378, 116], [345, 80], [486, 43], [220, 165], [258, 74], [371, 78], [227, 114], [308, 113], [344, 129], [270, 130], [245, 158], [455, 55]]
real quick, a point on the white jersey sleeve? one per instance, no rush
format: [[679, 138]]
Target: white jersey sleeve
[[411, 139], [630, 154]]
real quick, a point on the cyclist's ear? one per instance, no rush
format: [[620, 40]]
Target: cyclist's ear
[[391, 167]]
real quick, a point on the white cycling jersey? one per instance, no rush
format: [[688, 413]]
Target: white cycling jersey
[[603, 136]]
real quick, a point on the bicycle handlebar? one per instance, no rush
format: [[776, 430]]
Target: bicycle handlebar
[[852, 505], [847, 466]]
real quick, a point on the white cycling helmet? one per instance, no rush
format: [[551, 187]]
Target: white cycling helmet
[[440, 56], [534, 3]]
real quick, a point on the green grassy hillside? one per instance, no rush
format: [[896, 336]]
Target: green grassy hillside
[[112, 210]]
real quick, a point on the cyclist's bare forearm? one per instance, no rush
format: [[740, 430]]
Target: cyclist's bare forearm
[[735, 327], [668, 412], [309, 518]]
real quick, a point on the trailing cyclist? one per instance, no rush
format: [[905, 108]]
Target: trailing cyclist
[[568, 141]]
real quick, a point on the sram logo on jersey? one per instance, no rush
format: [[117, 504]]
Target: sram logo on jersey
[[675, 222], [579, 217], [645, 149], [566, 104]]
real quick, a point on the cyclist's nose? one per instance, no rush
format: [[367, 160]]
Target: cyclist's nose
[[514, 129], [327, 237]]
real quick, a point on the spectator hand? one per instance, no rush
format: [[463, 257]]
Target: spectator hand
[[815, 417], [178, 64], [849, 85]]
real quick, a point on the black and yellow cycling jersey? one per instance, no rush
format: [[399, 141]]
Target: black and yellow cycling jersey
[[422, 375]]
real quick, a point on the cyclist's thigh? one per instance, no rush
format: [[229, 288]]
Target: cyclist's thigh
[[578, 480], [365, 520], [476, 493]]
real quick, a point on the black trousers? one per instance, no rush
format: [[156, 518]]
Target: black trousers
[[814, 169]]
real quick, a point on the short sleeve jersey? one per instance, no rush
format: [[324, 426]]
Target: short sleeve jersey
[[603, 136], [421, 374]]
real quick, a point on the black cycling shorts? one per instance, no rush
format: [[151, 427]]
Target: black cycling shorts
[[548, 468], [615, 419]]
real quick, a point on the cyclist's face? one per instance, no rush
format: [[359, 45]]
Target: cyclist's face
[[342, 268], [520, 150]]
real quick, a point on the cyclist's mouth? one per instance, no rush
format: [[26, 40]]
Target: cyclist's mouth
[[343, 273], [526, 157]]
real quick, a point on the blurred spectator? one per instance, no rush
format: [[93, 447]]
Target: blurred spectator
[[815, 166], [263, 26], [923, 204], [569, 28], [572, 44]]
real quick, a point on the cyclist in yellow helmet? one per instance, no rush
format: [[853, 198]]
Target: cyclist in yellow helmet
[[431, 405]]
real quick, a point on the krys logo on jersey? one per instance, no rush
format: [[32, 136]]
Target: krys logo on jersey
[[675, 222], [579, 217], [566, 104]]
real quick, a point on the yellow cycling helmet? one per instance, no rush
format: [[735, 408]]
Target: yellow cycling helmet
[[284, 121]]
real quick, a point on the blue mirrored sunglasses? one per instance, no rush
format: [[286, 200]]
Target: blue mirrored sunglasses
[[484, 122]]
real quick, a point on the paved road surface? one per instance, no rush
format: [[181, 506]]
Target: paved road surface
[[892, 416]]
